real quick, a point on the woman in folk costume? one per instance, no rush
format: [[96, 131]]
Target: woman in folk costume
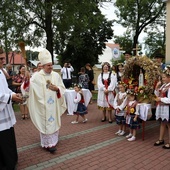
[[120, 71], [106, 84], [46, 101], [163, 107]]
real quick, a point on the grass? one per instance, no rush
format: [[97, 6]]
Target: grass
[[16, 108], [94, 95]]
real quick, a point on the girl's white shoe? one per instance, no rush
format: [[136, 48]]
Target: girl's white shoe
[[131, 139], [74, 122], [129, 136], [119, 131], [84, 121]]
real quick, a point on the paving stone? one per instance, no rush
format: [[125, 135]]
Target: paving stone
[[93, 145]]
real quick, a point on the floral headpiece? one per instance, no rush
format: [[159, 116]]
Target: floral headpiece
[[106, 63], [118, 64], [131, 92], [166, 72], [122, 83], [78, 85]]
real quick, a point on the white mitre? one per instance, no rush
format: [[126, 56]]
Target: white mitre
[[44, 57]]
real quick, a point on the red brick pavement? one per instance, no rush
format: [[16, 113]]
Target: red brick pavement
[[90, 146]]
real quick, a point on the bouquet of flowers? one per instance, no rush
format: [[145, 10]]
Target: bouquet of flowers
[[142, 95]]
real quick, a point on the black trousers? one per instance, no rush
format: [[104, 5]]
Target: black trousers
[[8, 150], [67, 83]]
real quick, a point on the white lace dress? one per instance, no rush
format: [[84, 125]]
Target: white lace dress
[[106, 101], [163, 107]]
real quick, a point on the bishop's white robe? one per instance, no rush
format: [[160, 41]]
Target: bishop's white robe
[[46, 106]]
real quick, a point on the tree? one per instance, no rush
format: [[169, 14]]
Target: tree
[[57, 24], [90, 31], [154, 43], [137, 15], [125, 41], [8, 25]]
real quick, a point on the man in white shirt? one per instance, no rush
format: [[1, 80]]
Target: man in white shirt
[[66, 74], [8, 149]]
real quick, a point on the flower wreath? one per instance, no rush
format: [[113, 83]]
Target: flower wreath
[[150, 71]]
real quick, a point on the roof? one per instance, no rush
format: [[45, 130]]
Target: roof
[[98, 66], [112, 46], [15, 58]]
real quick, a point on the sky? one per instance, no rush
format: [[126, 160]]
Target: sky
[[108, 10]]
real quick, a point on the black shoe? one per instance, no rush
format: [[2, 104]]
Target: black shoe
[[52, 149], [103, 120], [110, 121], [167, 146], [159, 142], [23, 117]]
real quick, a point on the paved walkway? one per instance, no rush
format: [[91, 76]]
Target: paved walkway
[[90, 146]]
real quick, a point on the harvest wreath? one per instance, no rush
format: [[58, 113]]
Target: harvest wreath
[[141, 74]]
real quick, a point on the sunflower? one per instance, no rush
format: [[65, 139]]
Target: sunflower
[[132, 110]]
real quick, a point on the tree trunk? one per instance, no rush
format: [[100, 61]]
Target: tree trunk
[[6, 39], [48, 27], [135, 43]]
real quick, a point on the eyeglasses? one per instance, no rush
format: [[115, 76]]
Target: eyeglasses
[[3, 58]]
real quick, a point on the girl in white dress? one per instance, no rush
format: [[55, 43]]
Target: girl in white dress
[[119, 106], [81, 109], [163, 107], [106, 84], [132, 115]]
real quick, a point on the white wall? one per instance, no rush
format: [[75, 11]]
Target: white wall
[[106, 56]]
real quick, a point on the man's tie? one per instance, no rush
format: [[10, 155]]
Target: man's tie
[[67, 72]]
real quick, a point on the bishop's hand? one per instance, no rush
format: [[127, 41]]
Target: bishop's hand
[[17, 98], [53, 87]]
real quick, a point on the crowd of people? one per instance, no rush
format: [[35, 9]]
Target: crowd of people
[[46, 88]]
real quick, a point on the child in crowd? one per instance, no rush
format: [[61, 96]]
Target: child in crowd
[[132, 115], [119, 106], [80, 109], [163, 107], [120, 71]]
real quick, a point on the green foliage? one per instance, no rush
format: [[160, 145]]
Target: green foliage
[[121, 60], [138, 15], [94, 95], [71, 28], [154, 43], [16, 108], [89, 32], [32, 55], [125, 41]]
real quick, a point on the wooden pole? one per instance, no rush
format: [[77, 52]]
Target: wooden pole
[[136, 49], [143, 130], [167, 58]]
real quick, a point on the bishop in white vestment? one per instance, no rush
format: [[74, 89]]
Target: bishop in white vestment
[[46, 101]]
